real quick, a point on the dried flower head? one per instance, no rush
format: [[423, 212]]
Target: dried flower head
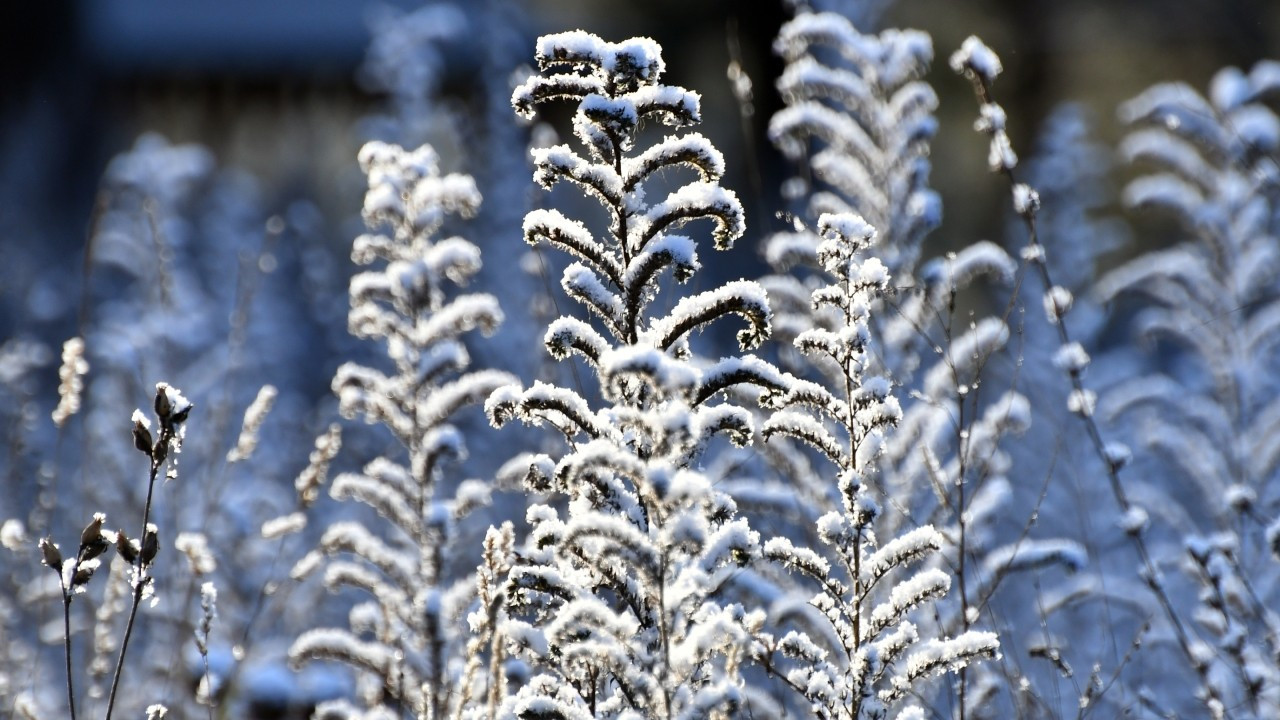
[[70, 380]]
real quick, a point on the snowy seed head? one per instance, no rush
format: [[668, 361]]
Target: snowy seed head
[[1134, 521], [975, 59], [1057, 301], [50, 554], [150, 544], [93, 541], [170, 405], [128, 549], [71, 380], [13, 534], [1026, 201], [1082, 402]]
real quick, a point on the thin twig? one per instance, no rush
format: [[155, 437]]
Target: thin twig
[[158, 455], [66, 641]]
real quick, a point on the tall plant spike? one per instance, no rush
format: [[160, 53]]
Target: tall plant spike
[[408, 641], [871, 656], [614, 600]]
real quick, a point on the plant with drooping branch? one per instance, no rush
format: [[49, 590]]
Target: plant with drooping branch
[[407, 641], [1212, 413], [171, 412], [615, 598], [870, 656], [859, 124]]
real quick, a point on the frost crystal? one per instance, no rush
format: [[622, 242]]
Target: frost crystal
[[975, 57]]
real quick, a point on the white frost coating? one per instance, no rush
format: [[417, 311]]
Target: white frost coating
[[873, 275], [1257, 126], [354, 538], [178, 404], [284, 525], [71, 380], [697, 200], [1134, 520], [1167, 191], [1239, 497], [195, 546], [1026, 201], [675, 251], [803, 427], [907, 594], [254, 416], [677, 105], [761, 372], [1082, 402], [524, 635], [806, 29], [334, 643], [795, 122], [13, 534], [1029, 554], [937, 655], [980, 258], [734, 543], [691, 149], [908, 547], [561, 161], [669, 376], [1273, 537], [1159, 146], [569, 333], [617, 113], [582, 284], [387, 500], [641, 55], [783, 550], [966, 354], [1033, 253], [974, 56], [1071, 358], [785, 250], [744, 297], [848, 226], [576, 46], [1118, 454], [1057, 302]]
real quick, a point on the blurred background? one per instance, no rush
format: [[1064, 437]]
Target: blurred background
[[178, 185], [282, 90]]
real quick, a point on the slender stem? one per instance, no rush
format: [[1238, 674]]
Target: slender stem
[[1150, 573], [66, 641], [208, 685], [140, 579]]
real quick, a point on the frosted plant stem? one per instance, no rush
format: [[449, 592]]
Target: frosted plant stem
[[66, 641], [982, 89], [166, 433]]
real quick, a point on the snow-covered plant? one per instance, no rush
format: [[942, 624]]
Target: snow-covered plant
[[75, 572], [408, 640], [1212, 167], [871, 656], [857, 110], [614, 598], [443, 89], [182, 285], [860, 121], [1212, 411]]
